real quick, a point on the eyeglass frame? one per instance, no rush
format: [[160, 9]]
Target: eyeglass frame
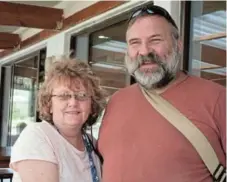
[[70, 96], [152, 10]]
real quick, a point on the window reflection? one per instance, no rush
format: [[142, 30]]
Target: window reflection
[[208, 44], [108, 47], [24, 91]]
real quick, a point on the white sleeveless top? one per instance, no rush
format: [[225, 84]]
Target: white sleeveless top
[[41, 141]]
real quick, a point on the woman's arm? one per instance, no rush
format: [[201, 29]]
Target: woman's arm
[[37, 170]]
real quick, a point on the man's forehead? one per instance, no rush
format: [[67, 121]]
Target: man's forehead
[[148, 25]]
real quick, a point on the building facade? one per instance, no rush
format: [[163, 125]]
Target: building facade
[[95, 33]]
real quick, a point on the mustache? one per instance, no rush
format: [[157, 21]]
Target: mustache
[[150, 58]]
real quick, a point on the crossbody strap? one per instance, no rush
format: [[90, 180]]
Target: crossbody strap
[[190, 131]]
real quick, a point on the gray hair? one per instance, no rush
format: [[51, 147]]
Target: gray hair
[[174, 31]]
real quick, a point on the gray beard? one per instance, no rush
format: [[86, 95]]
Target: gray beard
[[160, 76], [149, 81]]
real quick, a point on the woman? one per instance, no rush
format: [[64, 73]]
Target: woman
[[57, 149]]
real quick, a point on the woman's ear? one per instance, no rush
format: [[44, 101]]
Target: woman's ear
[[49, 107]]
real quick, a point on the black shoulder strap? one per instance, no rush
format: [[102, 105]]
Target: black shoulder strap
[[95, 150]]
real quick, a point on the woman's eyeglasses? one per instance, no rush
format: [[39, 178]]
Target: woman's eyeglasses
[[80, 96], [153, 10]]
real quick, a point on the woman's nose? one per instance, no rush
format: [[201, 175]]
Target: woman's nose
[[73, 101]]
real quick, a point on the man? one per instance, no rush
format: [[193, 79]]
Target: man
[[137, 143]]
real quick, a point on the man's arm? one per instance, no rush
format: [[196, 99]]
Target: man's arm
[[220, 117]]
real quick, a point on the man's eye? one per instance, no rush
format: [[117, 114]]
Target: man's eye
[[155, 40], [134, 43]]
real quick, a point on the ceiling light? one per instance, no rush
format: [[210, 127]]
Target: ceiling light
[[103, 37]]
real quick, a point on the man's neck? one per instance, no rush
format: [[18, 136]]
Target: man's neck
[[180, 76]]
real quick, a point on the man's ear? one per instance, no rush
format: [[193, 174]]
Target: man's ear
[[180, 45]]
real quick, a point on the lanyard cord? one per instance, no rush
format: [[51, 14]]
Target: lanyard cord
[[89, 149]]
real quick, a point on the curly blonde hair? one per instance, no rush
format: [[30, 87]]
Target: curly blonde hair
[[70, 72]]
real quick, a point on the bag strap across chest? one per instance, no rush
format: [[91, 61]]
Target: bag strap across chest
[[190, 131]]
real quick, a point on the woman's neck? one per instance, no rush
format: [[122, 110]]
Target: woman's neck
[[74, 137]]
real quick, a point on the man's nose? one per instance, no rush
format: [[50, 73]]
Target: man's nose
[[144, 49]]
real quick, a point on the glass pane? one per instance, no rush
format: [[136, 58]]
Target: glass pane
[[23, 103], [208, 44], [108, 47]]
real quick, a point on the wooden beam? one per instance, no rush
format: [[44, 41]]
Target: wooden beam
[[22, 15], [211, 36], [8, 40], [221, 82], [25, 72], [212, 6], [210, 68], [78, 17], [91, 11], [213, 55], [211, 76]]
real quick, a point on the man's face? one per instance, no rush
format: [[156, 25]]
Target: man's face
[[153, 57]]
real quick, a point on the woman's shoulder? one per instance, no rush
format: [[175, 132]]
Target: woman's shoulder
[[33, 143], [35, 136], [35, 131], [43, 125], [31, 128]]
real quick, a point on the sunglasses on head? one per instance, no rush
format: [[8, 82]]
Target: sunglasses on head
[[153, 10]]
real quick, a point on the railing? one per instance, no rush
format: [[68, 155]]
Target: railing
[[6, 173], [5, 153]]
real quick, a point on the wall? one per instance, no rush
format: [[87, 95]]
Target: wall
[[173, 7]]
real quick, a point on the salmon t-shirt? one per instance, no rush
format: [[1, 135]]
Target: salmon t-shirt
[[41, 141], [140, 145]]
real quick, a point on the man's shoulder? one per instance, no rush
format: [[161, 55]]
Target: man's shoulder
[[126, 91], [124, 95], [202, 84]]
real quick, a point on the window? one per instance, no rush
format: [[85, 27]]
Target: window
[[21, 82], [107, 51], [207, 57]]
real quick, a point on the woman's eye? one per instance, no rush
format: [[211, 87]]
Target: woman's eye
[[65, 96], [82, 95]]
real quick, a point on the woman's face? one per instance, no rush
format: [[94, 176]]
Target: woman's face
[[70, 106]]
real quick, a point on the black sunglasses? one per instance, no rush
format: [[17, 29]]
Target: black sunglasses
[[153, 10]]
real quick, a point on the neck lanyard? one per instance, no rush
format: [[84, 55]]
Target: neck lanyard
[[89, 149]]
